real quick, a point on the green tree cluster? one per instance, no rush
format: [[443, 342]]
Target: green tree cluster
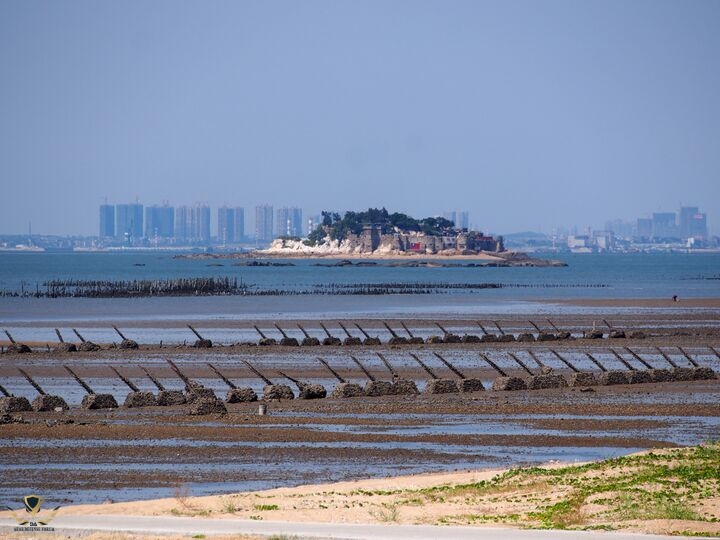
[[338, 228]]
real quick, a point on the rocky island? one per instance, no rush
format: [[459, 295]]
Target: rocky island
[[377, 234], [397, 238]]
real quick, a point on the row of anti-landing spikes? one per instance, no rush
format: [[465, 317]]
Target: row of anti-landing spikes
[[449, 337], [386, 362], [286, 338]]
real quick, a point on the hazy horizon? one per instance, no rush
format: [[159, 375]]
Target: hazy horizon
[[249, 222], [529, 115]]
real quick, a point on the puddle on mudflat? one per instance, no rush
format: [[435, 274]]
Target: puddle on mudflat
[[255, 473]]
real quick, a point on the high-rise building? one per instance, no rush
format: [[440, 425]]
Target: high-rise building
[[644, 229], [231, 224], [461, 218], [192, 226], [620, 228], [200, 223], [226, 225], [159, 221], [664, 226], [182, 223], [129, 222], [312, 223], [239, 224], [263, 223], [687, 213], [693, 224], [289, 222], [698, 227], [107, 221]]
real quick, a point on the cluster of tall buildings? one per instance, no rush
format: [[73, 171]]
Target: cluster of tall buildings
[[133, 224], [137, 225], [286, 221], [663, 227], [687, 224], [461, 218], [686, 228]]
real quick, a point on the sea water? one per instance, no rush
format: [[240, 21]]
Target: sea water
[[621, 276]]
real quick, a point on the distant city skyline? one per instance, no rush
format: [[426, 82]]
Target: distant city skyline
[[168, 227], [529, 115], [199, 223], [122, 224]]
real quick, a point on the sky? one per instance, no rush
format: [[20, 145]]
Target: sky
[[530, 115]]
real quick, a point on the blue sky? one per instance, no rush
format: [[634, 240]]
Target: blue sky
[[530, 115]]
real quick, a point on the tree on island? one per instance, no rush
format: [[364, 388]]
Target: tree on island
[[338, 228]]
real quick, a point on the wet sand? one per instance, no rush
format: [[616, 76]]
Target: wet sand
[[81, 456], [125, 454], [519, 498], [90, 456], [680, 304], [663, 320]]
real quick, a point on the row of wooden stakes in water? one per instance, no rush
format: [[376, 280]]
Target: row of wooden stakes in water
[[204, 401], [350, 340]]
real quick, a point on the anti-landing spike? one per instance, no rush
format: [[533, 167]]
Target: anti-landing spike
[[424, 366], [493, 365], [521, 363]]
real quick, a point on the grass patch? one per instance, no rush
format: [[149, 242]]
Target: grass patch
[[227, 506], [642, 505], [388, 513], [264, 507], [182, 496], [639, 492], [191, 512], [667, 485], [372, 492], [560, 515]]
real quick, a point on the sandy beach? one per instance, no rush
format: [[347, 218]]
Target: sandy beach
[[509, 498]]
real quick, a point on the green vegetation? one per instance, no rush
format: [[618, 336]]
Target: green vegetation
[[695, 534], [372, 492], [387, 513], [266, 507], [227, 506], [673, 489], [191, 512], [353, 222], [655, 486]]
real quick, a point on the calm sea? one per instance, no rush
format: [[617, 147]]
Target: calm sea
[[586, 276]]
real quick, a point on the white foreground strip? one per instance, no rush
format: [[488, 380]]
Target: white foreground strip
[[196, 526]]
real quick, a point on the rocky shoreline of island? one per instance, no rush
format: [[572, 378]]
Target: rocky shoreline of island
[[270, 258]]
